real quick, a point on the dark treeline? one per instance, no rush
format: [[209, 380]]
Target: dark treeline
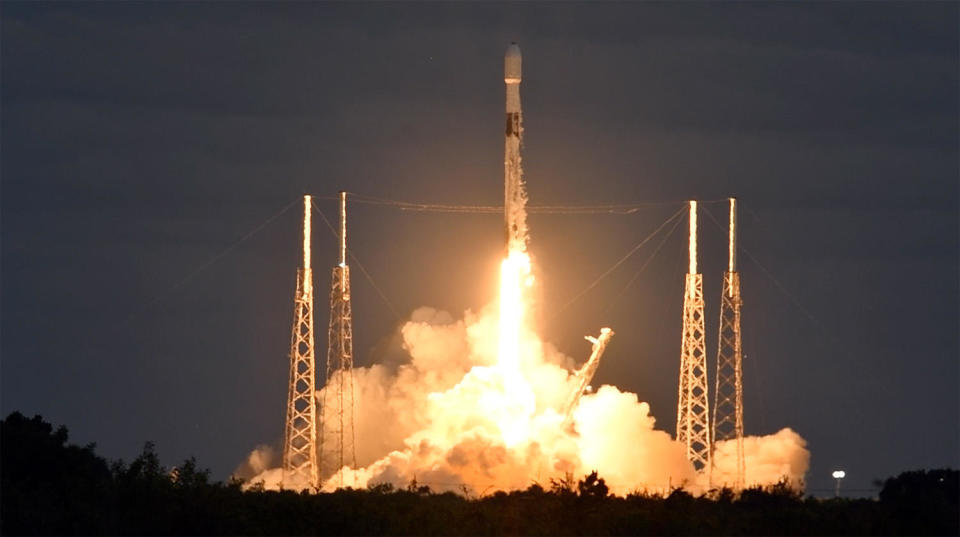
[[52, 488]]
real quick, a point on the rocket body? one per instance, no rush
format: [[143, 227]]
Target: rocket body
[[515, 196]]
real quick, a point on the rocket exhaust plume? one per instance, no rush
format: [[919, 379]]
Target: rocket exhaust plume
[[482, 404]]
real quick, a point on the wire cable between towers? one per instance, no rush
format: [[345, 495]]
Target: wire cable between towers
[[623, 259], [643, 267], [626, 208], [188, 277], [780, 287], [217, 257], [353, 256]]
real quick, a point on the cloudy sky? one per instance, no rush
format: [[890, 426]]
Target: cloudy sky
[[142, 143]]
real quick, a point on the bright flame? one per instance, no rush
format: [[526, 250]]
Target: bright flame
[[514, 271], [517, 395]]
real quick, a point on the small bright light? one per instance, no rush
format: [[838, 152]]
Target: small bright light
[[839, 474]]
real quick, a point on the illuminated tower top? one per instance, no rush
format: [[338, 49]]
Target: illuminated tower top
[[732, 264], [693, 237]]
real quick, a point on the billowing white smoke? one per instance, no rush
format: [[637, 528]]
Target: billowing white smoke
[[767, 459], [446, 419], [261, 466]]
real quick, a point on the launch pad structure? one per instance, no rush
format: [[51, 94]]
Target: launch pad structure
[[728, 392], [327, 423], [697, 430], [337, 435], [693, 407], [300, 469], [584, 375]]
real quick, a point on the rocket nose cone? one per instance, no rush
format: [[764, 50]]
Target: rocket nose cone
[[511, 64]]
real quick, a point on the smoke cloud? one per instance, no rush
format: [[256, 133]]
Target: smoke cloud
[[767, 459], [261, 466], [450, 419]]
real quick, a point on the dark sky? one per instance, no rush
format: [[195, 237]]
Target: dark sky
[[140, 141]]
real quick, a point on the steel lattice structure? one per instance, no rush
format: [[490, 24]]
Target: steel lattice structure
[[693, 407], [584, 375], [337, 442], [300, 468], [728, 393]]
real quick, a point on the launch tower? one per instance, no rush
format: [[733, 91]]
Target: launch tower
[[336, 411], [728, 393], [693, 407], [300, 435]]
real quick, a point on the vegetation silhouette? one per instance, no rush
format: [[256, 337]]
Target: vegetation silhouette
[[50, 487]]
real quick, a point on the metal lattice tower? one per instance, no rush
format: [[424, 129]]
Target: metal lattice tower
[[693, 407], [728, 394], [337, 446], [300, 435]]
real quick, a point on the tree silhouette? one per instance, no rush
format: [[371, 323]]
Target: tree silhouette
[[51, 487], [593, 486], [47, 486]]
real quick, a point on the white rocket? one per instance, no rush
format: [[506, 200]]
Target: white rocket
[[515, 195]]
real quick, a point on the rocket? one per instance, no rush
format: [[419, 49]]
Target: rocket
[[511, 77], [515, 196]]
